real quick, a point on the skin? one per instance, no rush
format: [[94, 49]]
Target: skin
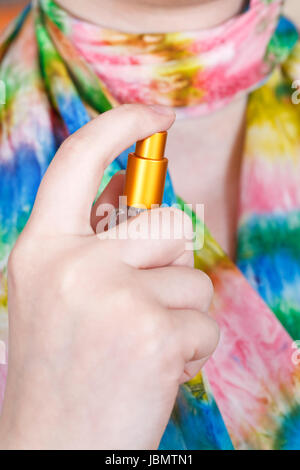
[[100, 328], [154, 16]]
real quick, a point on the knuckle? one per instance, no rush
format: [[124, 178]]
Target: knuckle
[[70, 145], [65, 279], [153, 332], [14, 260], [19, 257], [207, 286], [212, 334]]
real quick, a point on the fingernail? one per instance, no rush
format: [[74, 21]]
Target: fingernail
[[160, 109]]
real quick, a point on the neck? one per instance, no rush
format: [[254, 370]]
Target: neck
[[204, 159], [154, 16]]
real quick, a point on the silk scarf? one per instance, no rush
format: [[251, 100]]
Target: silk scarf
[[60, 71]]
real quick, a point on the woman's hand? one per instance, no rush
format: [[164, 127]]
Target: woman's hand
[[102, 331]]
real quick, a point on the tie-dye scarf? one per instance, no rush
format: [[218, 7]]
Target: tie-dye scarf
[[60, 71]]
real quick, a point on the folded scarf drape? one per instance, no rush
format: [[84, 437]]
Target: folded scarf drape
[[60, 71]]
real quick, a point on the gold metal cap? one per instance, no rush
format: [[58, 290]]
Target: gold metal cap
[[146, 172], [152, 147]]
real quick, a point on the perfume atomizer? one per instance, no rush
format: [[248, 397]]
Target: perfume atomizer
[[145, 178]]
